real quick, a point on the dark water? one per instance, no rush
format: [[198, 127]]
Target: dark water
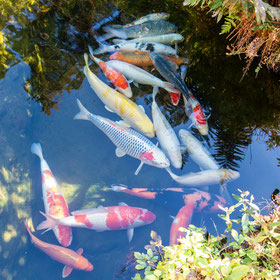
[[244, 123]]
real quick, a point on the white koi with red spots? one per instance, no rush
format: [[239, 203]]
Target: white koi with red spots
[[54, 201], [166, 135], [127, 140], [120, 217]]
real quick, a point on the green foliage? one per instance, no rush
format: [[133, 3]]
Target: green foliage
[[246, 19], [247, 249]]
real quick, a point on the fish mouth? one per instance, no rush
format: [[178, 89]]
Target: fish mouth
[[90, 267]]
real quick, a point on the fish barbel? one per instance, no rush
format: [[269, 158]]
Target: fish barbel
[[135, 46], [166, 135], [167, 39], [143, 58], [126, 140], [149, 28], [129, 111]]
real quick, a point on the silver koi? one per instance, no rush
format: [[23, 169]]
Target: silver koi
[[149, 28], [126, 140], [167, 39], [166, 135]]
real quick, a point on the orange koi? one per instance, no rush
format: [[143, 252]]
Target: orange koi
[[71, 259]]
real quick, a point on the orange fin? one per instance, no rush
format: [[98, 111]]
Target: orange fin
[[80, 251], [66, 271], [175, 98]]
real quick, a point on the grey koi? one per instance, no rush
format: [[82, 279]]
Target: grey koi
[[149, 28]]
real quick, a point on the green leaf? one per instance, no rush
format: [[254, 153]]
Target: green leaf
[[150, 253], [140, 266], [252, 255], [234, 234], [138, 255], [239, 272], [245, 222], [238, 198], [137, 277]]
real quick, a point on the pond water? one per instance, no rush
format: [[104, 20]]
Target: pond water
[[243, 124]]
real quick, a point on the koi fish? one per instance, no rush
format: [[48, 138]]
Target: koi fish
[[54, 201], [197, 151], [138, 75], [167, 71], [126, 140], [196, 201], [166, 135], [205, 177], [145, 29], [114, 76], [114, 101], [104, 218], [195, 112], [71, 259], [166, 39], [135, 46], [154, 16], [143, 58]]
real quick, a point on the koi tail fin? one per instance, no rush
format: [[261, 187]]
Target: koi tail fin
[[102, 48], [111, 32], [50, 222], [224, 193], [36, 149], [95, 59], [155, 91], [83, 114]]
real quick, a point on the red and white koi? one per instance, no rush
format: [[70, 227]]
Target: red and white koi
[[196, 114], [114, 101], [71, 259], [120, 217], [126, 140], [54, 201], [114, 76], [166, 135]]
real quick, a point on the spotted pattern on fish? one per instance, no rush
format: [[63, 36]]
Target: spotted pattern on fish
[[150, 47], [129, 140], [83, 219]]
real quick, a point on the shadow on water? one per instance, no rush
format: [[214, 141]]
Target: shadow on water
[[48, 47]]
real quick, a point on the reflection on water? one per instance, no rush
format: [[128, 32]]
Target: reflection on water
[[48, 65]]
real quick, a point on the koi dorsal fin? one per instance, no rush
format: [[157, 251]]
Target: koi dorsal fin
[[80, 251], [66, 271]]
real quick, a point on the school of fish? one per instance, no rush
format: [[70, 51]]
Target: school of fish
[[150, 44]]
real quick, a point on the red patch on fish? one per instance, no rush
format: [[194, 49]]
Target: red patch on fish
[[59, 208], [119, 128], [175, 97], [199, 115], [83, 220], [45, 175], [147, 216], [148, 156], [121, 217]]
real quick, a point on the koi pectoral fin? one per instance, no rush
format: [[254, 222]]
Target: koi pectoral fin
[[139, 168], [130, 234], [66, 271]]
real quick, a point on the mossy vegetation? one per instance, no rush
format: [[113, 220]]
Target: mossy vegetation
[[248, 248]]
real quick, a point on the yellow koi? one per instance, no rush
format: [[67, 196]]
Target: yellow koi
[[130, 112]]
